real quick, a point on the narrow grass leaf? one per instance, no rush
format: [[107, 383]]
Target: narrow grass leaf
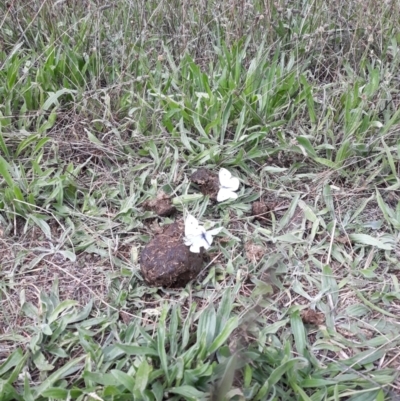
[[329, 284], [380, 396], [365, 357], [360, 209], [82, 314], [40, 144], [225, 384], [92, 138], [142, 376], [5, 171], [272, 169], [26, 143], [124, 379], [161, 336], [306, 144], [68, 255], [312, 382], [56, 393], [197, 124], [386, 211], [225, 118], [390, 159], [247, 375], [357, 310], [42, 225], [60, 308], [231, 325], [299, 332], [240, 125], [207, 325], [274, 327], [326, 162], [173, 333], [105, 379], [277, 374], [327, 194], [186, 326], [343, 153], [18, 369], [54, 96], [8, 392], [308, 96], [289, 238], [289, 214], [300, 392], [224, 309], [372, 305], [13, 360], [308, 212], [69, 368], [28, 394], [393, 120], [366, 239], [3, 146], [189, 392], [137, 350], [49, 123]]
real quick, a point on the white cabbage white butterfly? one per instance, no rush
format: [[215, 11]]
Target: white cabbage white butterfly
[[227, 185], [196, 235]]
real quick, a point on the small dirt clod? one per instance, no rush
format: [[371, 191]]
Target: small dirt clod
[[254, 253], [259, 210], [161, 205], [310, 316], [207, 182]]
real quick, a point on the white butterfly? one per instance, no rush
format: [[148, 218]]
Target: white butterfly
[[227, 186], [196, 235]]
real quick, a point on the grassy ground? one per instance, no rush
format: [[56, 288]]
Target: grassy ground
[[104, 105]]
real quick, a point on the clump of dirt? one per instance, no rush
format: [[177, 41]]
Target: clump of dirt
[[254, 253], [259, 210], [309, 316], [161, 205], [167, 262], [207, 182]]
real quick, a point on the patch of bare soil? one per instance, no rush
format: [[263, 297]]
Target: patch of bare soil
[[27, 269], [75, 141]]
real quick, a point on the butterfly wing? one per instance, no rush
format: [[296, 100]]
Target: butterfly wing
[[203, 240], [228, 185], [227, 181], [225, 194], [188, 241], [209, 236], [199, 241], [192, 227], [195, 247], [224, 176], [194, 234], [215, 231], [233, 184], [208, 239]]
